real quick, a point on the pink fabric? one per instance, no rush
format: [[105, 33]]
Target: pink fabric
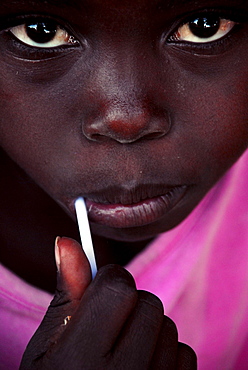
[[199, 270], [22, 307]]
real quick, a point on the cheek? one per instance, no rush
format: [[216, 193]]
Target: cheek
[[214, 125], [228, 118], [40, 129], [30, 130]]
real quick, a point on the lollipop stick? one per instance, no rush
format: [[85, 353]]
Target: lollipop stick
[[84, 230]]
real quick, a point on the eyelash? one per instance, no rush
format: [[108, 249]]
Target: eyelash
[[23, 33], [16, 30], [230, 19], [220, 28]]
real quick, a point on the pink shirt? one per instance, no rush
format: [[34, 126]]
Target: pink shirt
[[199, 270], [22, 307]]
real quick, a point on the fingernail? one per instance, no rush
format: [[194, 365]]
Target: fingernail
[[57, 253]]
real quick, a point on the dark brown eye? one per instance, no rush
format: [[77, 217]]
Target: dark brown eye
[[42, 34], [202, 29]]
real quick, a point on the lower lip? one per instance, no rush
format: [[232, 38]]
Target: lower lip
[[137, 214]]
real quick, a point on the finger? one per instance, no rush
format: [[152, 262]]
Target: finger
[[165, 355], [74, 275], [104, 308], [186, 358], [140, 334]]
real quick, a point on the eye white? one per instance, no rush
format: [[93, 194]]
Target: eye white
[[184, 32], [61, 37]]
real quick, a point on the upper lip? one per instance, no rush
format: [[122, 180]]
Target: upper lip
[[129, 195]]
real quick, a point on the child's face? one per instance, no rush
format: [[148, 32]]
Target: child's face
[[130, 108]]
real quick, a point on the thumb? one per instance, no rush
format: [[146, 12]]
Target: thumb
[[74, 273], [73, 277]]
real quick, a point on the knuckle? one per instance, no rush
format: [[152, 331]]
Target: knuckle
[[116, 279], [187, 356], [170, 324], [169, 328], [60, 298], [150, 310], [151, 300]]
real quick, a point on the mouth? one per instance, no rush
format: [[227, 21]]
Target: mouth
[[129, 211]]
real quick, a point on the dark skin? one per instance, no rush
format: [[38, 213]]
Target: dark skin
[[129, 114]]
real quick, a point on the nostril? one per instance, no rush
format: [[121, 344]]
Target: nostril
[[126, 127], [125, 136], [97, 137], [150, 136], [154, 135]]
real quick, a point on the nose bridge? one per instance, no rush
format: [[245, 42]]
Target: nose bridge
[[118, 76], [124, 106]]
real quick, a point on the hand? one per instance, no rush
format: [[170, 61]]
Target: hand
[[112, 325]]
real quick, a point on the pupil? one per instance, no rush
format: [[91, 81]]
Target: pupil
[[41, 32], [204, 27]]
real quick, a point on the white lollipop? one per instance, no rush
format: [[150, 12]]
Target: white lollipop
[[85, 234]]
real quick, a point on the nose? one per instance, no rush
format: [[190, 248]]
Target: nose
[[125, 101], [126, 123]]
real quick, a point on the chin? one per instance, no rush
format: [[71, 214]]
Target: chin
[[134, 234], [131, 234]]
